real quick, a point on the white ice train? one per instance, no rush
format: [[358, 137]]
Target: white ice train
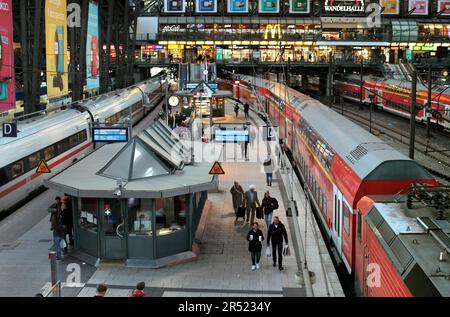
[[63, 137]]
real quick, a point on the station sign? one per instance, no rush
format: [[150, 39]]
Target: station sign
[[269, 133], [110, 134], [194, 85], [227, 135], [344, 6], [9, 130]]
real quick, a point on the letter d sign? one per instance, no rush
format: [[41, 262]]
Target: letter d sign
[[9, 130]]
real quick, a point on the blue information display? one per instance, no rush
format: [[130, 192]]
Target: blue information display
[[231, 136], [110, 134], [194, 85]]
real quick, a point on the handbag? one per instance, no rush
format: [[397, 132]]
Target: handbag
[[286, 251], [63, 244], [259, 212], [268, 252]]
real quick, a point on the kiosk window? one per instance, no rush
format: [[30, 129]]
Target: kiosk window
[[170, 215], [88, 213], [140, 216]]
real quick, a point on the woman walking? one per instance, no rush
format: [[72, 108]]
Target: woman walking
[[237, 194], [255, 237]]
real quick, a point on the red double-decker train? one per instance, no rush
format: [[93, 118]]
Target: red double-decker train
[[347, 174], [394, 96]]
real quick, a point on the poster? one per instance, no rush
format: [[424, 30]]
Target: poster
[[299, 6], [56, 47], [92, 53], [269, 6], [206, 6], [7, 94], [420, 5], [443, 7], [390, 6], [237, 6], [175, 6]]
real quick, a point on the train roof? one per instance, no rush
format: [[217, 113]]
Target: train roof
[[413, 239]]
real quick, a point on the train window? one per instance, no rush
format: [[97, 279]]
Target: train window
[[73, 140], [63, 146], [33, 160], [346, 214], [16, 169], [82, 136], [358, 226], [3, 176], [49, 152]]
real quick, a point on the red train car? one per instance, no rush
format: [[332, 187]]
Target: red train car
[[339, 162], [395, 96]]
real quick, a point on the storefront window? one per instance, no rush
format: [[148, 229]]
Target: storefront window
[[140, 216], [170, 215], [88, 213], [112, 216]]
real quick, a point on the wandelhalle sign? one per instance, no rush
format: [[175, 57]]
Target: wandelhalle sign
[[344, 5]]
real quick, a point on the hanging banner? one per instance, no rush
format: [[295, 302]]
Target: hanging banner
[[56, 47], [390, 6], [352, 6], [269, 6], [175, 6], [92, 53], [7, 94], [443, 7], [237, 6], [206, 6], [299, 6], [421, 7]]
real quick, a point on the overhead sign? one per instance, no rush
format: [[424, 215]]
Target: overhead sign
[[42, 168], [9, 130], [92, 53], [216, 169], [344, 5], [274, 30], [174, 6], [110, 134], [299, 6], [420, 7], [390, 6], [194, 85], [206, 6], [7, 93], [269, 133], [269, 6], [227, 135], [237, 6], [444, 7]]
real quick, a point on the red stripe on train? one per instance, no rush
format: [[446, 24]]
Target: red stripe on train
[[56, 163]]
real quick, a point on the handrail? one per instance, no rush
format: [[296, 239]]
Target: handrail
[[54, 290]]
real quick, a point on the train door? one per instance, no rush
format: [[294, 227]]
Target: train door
[[337, 219]]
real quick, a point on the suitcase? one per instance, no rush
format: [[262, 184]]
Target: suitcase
[[240, 212], [259, 213]]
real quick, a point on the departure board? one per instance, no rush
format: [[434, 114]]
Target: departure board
[[110, 134]]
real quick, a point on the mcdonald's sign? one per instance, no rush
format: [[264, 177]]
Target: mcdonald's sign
[[275, 31]]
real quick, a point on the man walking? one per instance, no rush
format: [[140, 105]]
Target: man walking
[[246, 108], [277, 232], [58, 230], [251, 200], [236, 109], [268, 169]]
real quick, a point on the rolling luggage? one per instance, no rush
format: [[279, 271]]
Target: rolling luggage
[[240, 212], [259, 213]]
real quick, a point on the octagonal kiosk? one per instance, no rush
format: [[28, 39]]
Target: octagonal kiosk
[[139, 202]]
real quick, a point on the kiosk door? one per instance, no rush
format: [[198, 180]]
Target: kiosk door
[[112, 235]]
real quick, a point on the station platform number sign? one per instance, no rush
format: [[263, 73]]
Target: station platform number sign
[[269, 133], [9, 130]]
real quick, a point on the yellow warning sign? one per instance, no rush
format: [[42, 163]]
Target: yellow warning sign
[[42, 168], [216, 169]]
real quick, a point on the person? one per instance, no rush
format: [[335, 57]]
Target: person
[[279, 151], [277, 232], [251, 200], [170, 120], [38, 295], [254, 238], [269, 204], [246, 108], [139, 291], [101, 290], [58, 229], [268, 169], [237, 194], [66, 218], [236, 109], [177, 118]]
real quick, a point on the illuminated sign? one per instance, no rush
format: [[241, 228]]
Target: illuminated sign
[[424, 48], [344, 5], [170, 28], [275, 31], [174, 6], [206, 6], [194, 85], [237, 6], [299, 6], [225, 135], [269, 6], [110, 134]]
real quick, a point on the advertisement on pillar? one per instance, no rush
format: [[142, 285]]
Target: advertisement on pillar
[[56, 47], [299, 6], [269, 6], [390, 6], [202, 6], [7, 94], [420, 7], [92, 53], [237, 6], [444, 7], [174, 6]]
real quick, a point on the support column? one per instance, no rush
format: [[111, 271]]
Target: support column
[[412, 127]]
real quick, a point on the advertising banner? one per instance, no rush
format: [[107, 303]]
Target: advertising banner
[[7, 93], [92, 52], [237, 6], [175, 6], [56, 47], [206, 6], [269, 6], [421, 7], [351, 6], [390, 6], [299, 6], [444, 7]]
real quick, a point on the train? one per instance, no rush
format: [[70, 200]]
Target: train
[[346, 173], [62, 137], [394, 96]]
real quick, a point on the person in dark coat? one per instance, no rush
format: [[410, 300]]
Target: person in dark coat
[[255, 237], [237, 194], [66, 218], [246, 108], [277, 232], [269, 204], [177, 118], [236, 109], [170, 120], [251, 201], [58, 231]]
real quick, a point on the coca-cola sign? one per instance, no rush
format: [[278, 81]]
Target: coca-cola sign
[[171, 28], [344, 5]]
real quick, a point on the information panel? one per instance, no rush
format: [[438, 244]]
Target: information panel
[[269, 6], [206, 6], [231, 135], [174, 6], [237, 6], [299, 6], [110, 134]]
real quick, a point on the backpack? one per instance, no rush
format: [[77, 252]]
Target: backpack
[[275, 203], [268, 162]]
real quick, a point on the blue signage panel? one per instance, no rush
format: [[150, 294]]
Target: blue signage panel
[[231, 136], [110, 134], [206, 6], [238, 6], [194, 85]]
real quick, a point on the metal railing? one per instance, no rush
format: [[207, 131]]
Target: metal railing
[[54, 291]]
